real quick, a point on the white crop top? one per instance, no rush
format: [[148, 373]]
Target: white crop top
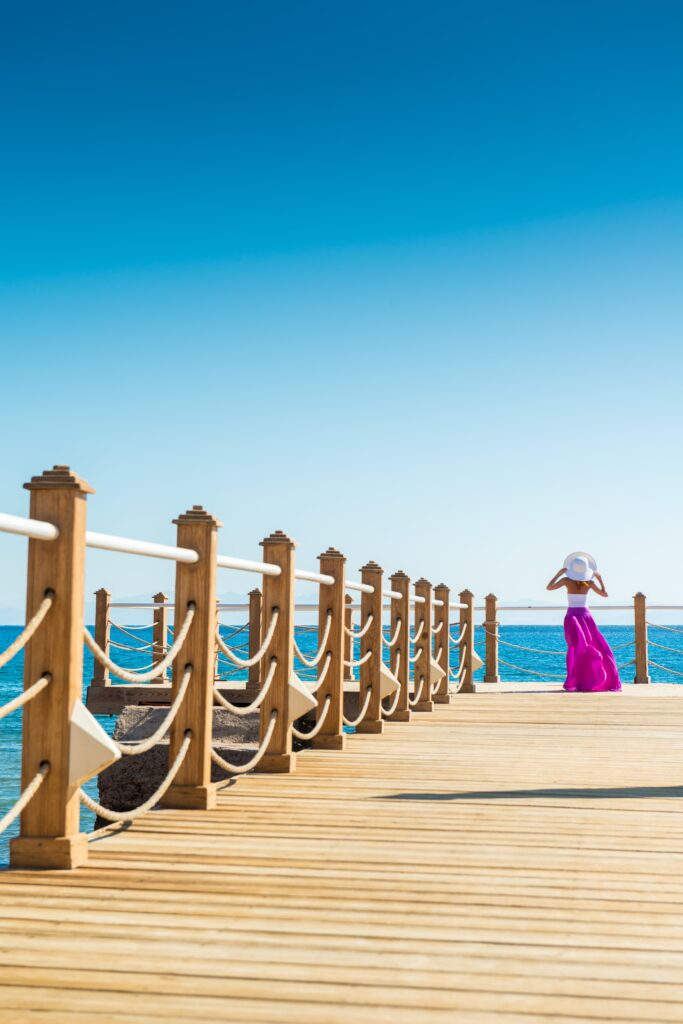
[[577, 600]]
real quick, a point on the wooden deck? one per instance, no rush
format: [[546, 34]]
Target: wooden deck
[[513, 857]]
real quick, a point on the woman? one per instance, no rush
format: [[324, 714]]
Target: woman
[[590, 662]]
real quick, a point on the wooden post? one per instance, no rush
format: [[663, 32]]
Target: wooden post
[[160, 631], [278, 592], [421, 665], [400, 652], [255, 634], [349, 674], [371, 605], [491, 626], [442, 641], [50, 836], [100, 673], [195, 582], [467, 642], [640, 621], [331, 736]]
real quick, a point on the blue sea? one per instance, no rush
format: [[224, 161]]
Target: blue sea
[[545, 660]]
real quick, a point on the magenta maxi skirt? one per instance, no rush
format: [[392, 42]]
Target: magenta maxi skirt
[[590, 663]]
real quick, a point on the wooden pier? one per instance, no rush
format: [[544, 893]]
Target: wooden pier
[[513, 856]]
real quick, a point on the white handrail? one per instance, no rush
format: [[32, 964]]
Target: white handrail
[[364, 588], [456, 605], [392, 593], [313, 577], [246, 565], [130, 546], [416, 599], [35, 528], [563, 607], [437, 602]]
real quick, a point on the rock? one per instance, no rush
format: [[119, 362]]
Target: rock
[[130, 781]]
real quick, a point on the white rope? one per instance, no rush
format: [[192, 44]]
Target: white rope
[[25, 797], [457, 640], [390, 643], [626, 664], [361, 661], [29, 629], [664, 668], [140, 639], [137, 812], [157, 670], [669, 629], [439, 653], [437, 629], [128, 647], [357, 634], [414, 657], [457, 675], [419, 633], [248, 662], [255, 704], [366, 704], [387, 712], [416, 698], [241, 769], [323, 674], [530, 671], [318, 725], [617, 647], [520, 647], [236, 631], [397, 664], [312, 662], [131, 749], [663, 647], [29, 693]]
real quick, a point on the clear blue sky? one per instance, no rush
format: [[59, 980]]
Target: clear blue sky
[[404, 278]]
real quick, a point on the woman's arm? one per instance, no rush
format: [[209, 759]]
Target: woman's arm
[[557, 581], [599, 590]]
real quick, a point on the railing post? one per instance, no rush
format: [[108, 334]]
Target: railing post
[[442, 641], [160, 631], [100, 673], [640, 623], [467, 642], [50, 836], [278, 592], [331, 735], [491, 626], [421, 665], [349, 675], [400, 652], [195, 582], [255, 634], [371, 604]]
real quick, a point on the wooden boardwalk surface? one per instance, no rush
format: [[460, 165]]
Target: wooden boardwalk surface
[[513, 857]]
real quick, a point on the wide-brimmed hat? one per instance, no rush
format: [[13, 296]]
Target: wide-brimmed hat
[[580, 566]]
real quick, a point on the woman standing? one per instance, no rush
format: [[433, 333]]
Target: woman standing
[[590, 663]]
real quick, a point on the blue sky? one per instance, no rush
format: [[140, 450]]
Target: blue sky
[[403, 278]]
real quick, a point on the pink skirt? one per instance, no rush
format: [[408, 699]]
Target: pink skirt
[[590, 663]]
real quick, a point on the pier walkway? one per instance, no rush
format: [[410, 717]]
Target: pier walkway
[[513, 856]]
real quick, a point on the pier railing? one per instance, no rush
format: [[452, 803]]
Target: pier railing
[[639, 647], [400, 670]]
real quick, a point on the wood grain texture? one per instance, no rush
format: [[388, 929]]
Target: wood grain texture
[[516, 856]]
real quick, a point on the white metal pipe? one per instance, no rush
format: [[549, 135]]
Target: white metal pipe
[[134, 604], [245, 565], [416, 599], [563, 607], [364, 588], [392, 593], [35, 528], [456, 605], [437, 602], [313, 577], [129, 546]]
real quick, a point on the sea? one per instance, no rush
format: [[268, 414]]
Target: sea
[[526, 653]]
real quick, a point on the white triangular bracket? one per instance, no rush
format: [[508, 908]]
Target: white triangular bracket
[[388, 683], [90, 749], [301, 700], [436, 673]]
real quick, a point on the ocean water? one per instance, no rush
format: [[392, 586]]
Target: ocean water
[[545, 660]]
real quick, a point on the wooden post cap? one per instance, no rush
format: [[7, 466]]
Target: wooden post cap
[[371, 567], [59, 477], [422, 582], [332, 553], [491, 597], [254, 593], [160, 597], [278, 537], [466, 594], [399, 575], [196, 514]]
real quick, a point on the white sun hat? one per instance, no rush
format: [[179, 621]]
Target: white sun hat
[[580, 566]]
